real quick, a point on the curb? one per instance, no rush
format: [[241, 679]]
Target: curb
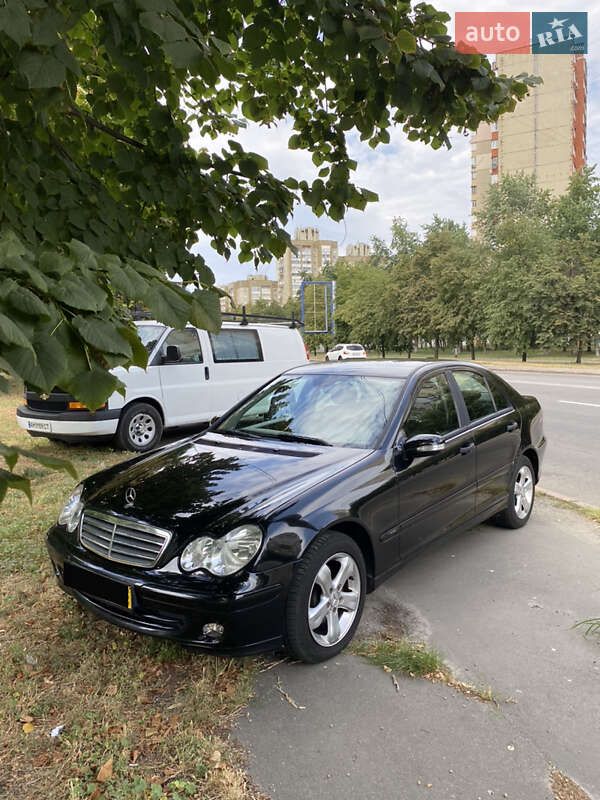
[[564, 499]]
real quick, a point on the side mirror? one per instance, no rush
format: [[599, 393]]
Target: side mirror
[[424, 444], [172, 355]]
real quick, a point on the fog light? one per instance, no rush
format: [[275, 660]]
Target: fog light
[[214, 631]]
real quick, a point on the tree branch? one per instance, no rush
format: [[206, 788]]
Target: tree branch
[[94, 123]]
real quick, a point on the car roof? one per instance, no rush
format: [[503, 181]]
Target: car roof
[[381, 369], [225, 324]]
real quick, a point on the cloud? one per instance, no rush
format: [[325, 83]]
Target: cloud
[[412, 180]]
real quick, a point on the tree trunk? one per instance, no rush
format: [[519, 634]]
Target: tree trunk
[[436, 348], [409, 349], [579, 351], [382, 345], [524, 355], [472, 349], [597, 348]]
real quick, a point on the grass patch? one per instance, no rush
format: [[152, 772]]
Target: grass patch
[[416, 660], [146, 716], [591, 512], [401, 655]]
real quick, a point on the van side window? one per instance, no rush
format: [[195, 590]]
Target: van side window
[[235, 345], [188, 343]]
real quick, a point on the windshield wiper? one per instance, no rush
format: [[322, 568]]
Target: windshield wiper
[[241, 434], [293, 437]]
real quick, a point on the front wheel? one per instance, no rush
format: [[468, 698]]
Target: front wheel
[[326, 358], [326, 598], [521, 497], [140, 428]]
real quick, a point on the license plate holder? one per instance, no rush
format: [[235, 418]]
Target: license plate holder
[[98, 587], [39, 425]]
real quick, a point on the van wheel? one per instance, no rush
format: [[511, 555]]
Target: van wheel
[[140, 428]]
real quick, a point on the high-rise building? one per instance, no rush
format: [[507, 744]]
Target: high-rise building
[[356, 253], [312, 254], [247, 292], [545, 134]]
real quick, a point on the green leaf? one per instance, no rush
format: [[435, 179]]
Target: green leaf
[[93, 387], [42, 71], [9, 480], [11, 333], [163, 26], [206, 312], [79, 292], [14, 22], [28, 302], [406, 41], [11, 456], [102, 335], [139, 353], [168, 305], [42, 365]]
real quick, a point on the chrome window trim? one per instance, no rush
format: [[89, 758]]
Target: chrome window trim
[[481, 423], [115, 519]]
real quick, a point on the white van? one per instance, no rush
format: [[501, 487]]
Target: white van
[[192, 376]]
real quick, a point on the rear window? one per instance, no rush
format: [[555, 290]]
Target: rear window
[[476, 394], [498, 393], [235, 345], [355, 347]]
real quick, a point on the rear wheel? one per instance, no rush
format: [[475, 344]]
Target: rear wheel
[[326, 358], [339, 358], [326, 599], [140, 428], [521, 498]]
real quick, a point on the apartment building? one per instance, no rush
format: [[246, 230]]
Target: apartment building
[[312, 254], [247, 292], [355, 253], [546, 133]]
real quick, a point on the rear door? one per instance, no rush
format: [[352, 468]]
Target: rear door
[[435, 492], [496, 429], [184, 385]]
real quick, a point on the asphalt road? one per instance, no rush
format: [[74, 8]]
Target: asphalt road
[[500, 605], [571, 405]]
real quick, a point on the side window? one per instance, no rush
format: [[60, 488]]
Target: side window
[[433, 410], [498, 393], [235, 345], [475, 392], [188, 343]]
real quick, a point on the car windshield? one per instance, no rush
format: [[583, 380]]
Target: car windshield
[[149, 335], [338, 410]]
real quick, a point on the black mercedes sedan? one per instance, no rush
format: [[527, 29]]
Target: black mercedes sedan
[[268, 528]]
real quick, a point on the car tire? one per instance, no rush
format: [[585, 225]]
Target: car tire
[[521, 497], [326, 358], [316, 599], [140, 428], [339, 358]]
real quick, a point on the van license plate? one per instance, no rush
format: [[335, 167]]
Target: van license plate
[[37, 425]]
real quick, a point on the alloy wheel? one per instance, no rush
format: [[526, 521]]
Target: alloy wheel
[[523, 492], [334, 599]]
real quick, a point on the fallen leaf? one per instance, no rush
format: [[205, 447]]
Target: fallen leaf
[[216, 756], [386, 668], [28, 727], [112, 690], [105, 772], [25, 718]]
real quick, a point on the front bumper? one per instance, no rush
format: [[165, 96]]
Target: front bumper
[[68, 424], [175, 606]]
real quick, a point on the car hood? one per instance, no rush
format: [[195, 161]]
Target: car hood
[[213, 482]]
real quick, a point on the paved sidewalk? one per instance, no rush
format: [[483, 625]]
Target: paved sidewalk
[[500, 605]]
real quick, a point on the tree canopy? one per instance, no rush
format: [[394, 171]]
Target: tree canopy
[[103, 194]]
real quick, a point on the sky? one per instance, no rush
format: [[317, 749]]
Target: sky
[[412, 180]]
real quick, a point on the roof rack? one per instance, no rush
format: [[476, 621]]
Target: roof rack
[[244, 318], [140, 313]]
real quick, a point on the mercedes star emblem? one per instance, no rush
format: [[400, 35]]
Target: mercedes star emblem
[[130, 496]]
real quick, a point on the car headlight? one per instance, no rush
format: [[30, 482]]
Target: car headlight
[[223, 556], [71, 511]]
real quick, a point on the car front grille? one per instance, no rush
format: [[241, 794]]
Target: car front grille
[[122, 539]]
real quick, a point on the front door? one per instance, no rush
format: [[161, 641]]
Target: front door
[[184, 384], [436, 492]]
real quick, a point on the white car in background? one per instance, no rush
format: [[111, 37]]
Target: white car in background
[[342, 351], [191, 377]]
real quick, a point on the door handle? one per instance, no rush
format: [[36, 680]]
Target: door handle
[[466, 448], [512, 426], [206, 373]]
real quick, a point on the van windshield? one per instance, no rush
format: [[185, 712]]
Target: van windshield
[[149, 335]]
